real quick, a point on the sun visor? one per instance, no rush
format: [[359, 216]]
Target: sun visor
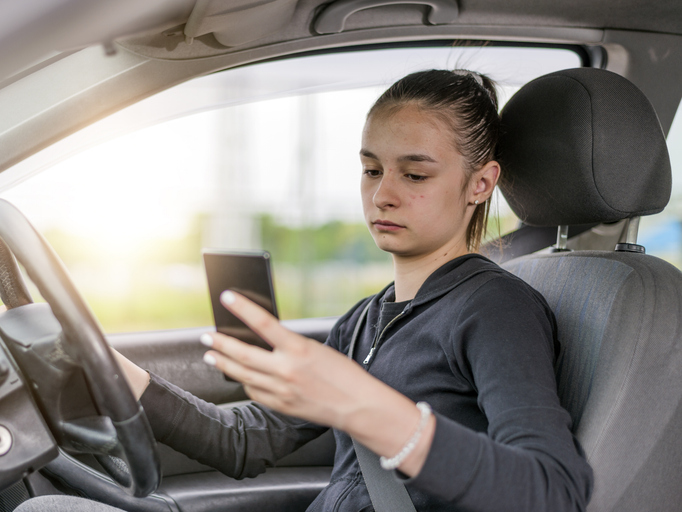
[[582, 146]]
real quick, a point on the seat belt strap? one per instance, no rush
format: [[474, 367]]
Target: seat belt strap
[[385, 491]]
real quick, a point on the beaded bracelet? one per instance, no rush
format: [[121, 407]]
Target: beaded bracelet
[[394, 462]]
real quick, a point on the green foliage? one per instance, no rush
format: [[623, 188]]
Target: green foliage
[[152, 309], [333, 241], [319, 271], [323, 270]]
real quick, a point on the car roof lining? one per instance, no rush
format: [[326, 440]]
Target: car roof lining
[[553, 17]]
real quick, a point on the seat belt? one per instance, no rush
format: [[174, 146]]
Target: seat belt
[[385, 491]]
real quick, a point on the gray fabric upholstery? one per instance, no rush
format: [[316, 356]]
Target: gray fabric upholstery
[[620, 374], [581, 305], [63, 504], [585, 146], [582, 146]]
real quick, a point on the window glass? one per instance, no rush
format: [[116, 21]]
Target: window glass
[[661, 234], [260, 157]]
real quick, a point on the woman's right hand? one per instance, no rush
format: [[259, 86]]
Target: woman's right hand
[[304, 378]]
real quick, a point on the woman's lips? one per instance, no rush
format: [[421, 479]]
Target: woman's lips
[[386, 225]]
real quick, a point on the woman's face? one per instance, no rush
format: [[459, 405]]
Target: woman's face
[[413, 186]]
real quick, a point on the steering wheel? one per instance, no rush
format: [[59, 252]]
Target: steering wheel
[[120, 438]]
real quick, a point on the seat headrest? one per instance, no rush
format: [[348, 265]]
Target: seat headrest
[[582, 146]]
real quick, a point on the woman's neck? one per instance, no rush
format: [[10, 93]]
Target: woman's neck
[[410, 273]]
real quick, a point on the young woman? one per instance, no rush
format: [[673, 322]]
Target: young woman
[[453, 331]]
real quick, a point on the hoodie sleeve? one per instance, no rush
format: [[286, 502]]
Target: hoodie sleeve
[[240, 442], [504, 345]]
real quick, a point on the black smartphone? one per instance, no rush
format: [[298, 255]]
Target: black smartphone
[[246, 273]]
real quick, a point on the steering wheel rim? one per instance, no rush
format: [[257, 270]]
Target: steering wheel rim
[[108, 386]]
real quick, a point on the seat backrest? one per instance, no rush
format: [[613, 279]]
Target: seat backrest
[[583, 146]]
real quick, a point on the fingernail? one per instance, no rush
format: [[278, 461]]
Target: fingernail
[[227, 297], [206, 339], [209, 359]]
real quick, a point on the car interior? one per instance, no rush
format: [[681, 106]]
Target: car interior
[[584, 154]]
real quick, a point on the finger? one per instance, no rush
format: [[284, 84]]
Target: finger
[[239, 372], [269, 399], [263, 396], [246, 354], [260, 387], [257, 318]]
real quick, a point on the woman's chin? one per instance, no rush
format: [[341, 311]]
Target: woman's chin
[[389, 245], [399, 251]]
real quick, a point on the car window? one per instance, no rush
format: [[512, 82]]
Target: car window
[[260, 157], [661, 234]]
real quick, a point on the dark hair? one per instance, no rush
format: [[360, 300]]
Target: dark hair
[[467, 102]]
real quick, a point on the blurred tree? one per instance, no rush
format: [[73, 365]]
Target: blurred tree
[[333, 241]]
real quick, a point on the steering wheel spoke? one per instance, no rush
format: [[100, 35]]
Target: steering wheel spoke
[[94, 434]]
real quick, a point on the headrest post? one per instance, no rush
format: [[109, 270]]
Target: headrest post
[[632, 230], [561, 239], [630, 244]]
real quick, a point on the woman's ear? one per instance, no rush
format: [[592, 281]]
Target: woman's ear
[[483, 182]]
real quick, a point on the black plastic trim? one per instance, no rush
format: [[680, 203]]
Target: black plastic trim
[[625, 247], [526, 240]]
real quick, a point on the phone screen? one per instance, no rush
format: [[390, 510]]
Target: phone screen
[[245, 273]]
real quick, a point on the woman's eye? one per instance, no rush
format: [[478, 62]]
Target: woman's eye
[[415, 177], [372, 173]]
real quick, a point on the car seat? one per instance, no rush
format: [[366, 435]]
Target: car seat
[[583, 146]]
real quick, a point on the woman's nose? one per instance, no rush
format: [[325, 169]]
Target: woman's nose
[[386, 195]]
